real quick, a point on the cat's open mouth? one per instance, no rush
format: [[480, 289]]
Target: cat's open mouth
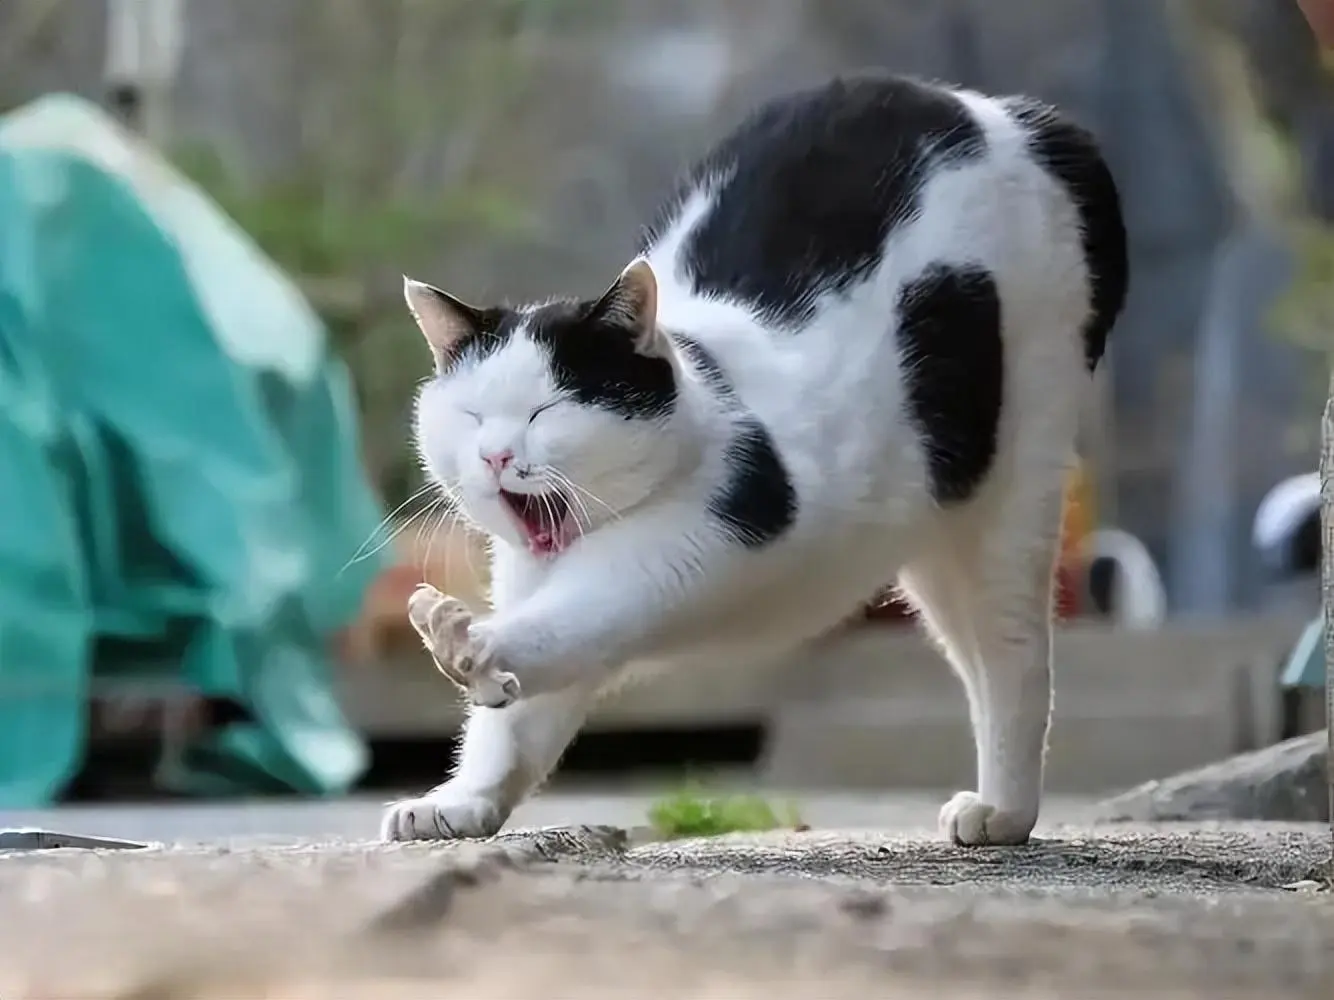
[[544, 517]]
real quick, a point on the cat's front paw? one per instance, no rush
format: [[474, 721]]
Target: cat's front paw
[[968, 821], [445, 626], [445, 814]]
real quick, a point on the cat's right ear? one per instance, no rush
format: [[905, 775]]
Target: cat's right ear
[[632, 303], [444, 321]]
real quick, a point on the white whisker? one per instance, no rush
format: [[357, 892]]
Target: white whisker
[[442, 501], [583, 520], [467, 546], [363, 552], [584, 491], [549, 508], [446, 513]]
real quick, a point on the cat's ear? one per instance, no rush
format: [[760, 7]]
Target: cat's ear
[[632, 303], [445, 321]]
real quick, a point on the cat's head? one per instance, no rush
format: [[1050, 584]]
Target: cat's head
[[548, 419]]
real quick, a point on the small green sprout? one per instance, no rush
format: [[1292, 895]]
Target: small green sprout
[[691, 812]]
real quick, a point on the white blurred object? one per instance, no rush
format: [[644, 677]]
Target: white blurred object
[[655, 70], [1134, 596], [144, 41], [1286, 531], [143, 55]]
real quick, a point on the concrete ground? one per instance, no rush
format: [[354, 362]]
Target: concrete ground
[[290, 901]]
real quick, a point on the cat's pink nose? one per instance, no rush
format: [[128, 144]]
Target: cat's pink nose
[[498, 460]]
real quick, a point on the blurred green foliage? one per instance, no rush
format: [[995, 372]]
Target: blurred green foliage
[[393, 169], [298, 222], [1305, 312], [1269, 83]]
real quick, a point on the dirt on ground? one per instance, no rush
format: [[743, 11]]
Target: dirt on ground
[[1153, 911]]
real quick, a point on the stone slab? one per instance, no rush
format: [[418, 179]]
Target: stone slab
[[1288, 781], [32, 839]]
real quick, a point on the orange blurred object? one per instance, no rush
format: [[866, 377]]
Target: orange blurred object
[[449, 558], [1078, 520]]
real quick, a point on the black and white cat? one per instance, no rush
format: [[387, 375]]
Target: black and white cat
[[853, 344]]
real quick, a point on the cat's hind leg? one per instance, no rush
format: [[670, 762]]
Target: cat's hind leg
[[984, 592]]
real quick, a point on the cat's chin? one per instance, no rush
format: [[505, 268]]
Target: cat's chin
[[545, 520]]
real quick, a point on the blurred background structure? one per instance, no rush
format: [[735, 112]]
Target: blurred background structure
[[512, 148]]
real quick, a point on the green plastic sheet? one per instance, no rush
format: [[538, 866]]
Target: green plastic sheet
[[180, 476]]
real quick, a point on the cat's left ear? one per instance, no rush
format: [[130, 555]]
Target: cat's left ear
[[445, 321], [632, 303]]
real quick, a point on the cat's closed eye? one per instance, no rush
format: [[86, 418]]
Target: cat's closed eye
[[541, 409], [475, 415]]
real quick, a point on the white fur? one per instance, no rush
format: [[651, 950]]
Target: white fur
[[649, 585]]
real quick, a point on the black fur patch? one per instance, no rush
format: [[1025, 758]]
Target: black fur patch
[[758, 503], [492, 333], [809, 187], [593, 361], [703, 361], [953, 362], [597, 364], [1071, 155]]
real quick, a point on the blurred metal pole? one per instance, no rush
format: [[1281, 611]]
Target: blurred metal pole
[[144, 39], [1206, 529]]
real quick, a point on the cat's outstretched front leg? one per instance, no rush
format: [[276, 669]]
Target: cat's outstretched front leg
[[562, 639], [509, 746], [506, 753]]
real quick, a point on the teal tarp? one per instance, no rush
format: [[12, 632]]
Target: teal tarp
[[180, 484], [1305, 666]]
